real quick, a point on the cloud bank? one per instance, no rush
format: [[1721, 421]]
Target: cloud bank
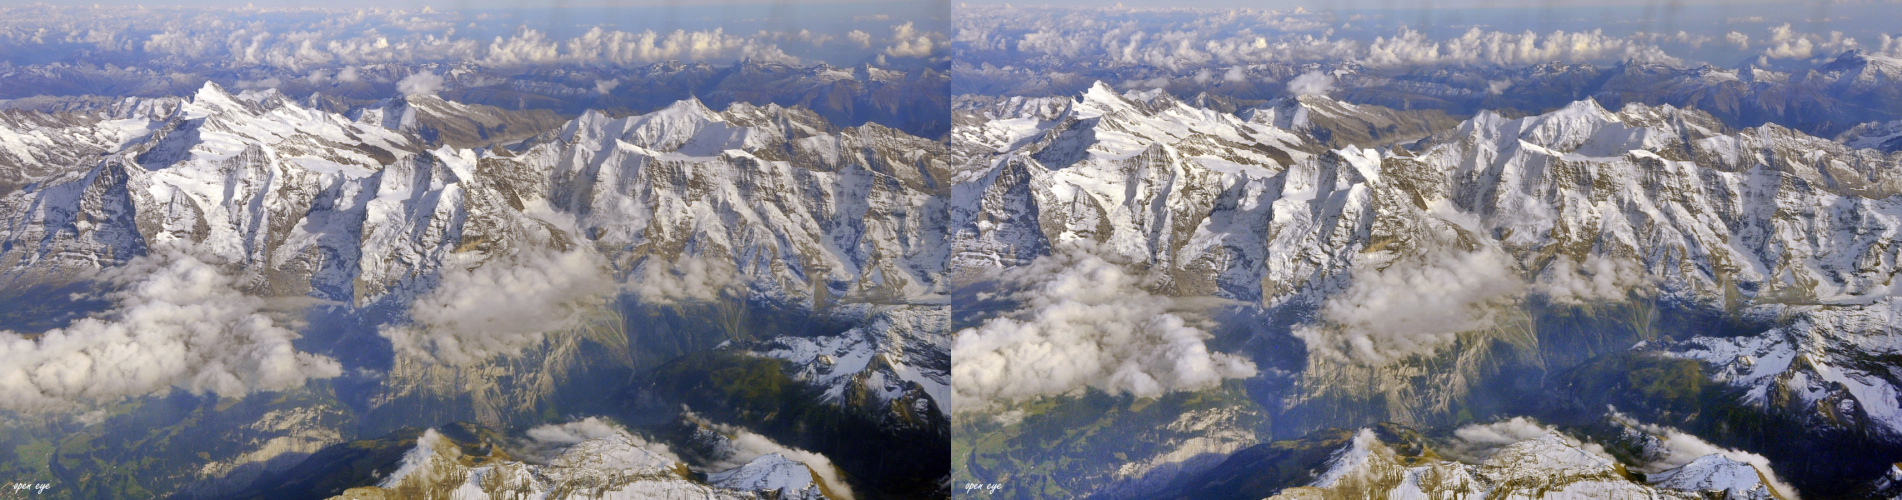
[[305, 39], [1083, 322], [179, 324], [1185, 39]]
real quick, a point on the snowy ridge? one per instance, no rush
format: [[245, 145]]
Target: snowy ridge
[[1550, 465], [1817, 364], [771, 472], [1582, 203], [613, 467], [1716, 473], [36, 144], [363, 211], [350, 210], [897, 352]]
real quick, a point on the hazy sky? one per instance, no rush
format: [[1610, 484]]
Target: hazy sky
[[464, 4]]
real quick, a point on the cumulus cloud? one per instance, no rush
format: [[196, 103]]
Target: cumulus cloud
[[1497, 87], [1786, 43], [1412, 307], [422, 83], [909, 42], [501, 306], [178, 323], [862, 38], [1740, 40], [348, 74], [1083, 322], [604, 86], [745, 445], [911, 47], [613, 47], [1311, 83], [1780, 34]]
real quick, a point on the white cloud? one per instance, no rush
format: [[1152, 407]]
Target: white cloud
[[547, 441], [1597, 279], [1476, 441], [1231, 37], [1494, 47], [909, 42], [747, 445], [1083, 322], [348, 74], [1673, 448], [1786, 43], [1503, 432], [1741, 40], [1412, 307], [684, 279], [1780, 34], [1497, 87], [501, 306], [1311, 83], [1234, 74], [914, 47], [328, 39], [604, 86], [173, 42], [862, 38], [573, 432], [422, 83], [179, 323]]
